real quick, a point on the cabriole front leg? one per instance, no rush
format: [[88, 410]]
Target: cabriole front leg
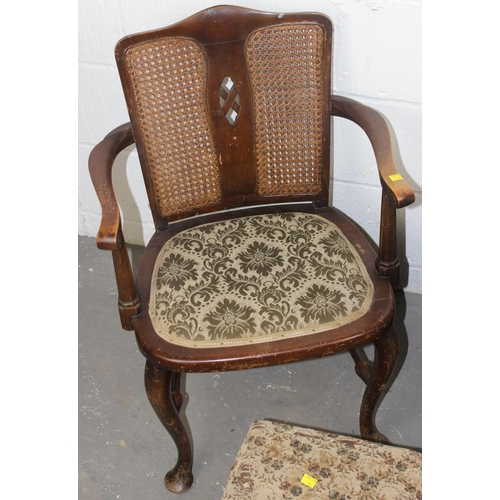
[[386, 355], [162, 388]]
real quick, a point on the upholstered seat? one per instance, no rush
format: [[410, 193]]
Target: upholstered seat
[[257, 279], [278, 460], [276, 285]]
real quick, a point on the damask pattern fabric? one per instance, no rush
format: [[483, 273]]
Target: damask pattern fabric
[[274, 457], [257, 279]]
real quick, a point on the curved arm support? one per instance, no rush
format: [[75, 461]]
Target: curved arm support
[[101, 161], [376, 128], [110, 236], [396, 193]]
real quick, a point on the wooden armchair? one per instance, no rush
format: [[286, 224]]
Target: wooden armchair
[[230, 111]]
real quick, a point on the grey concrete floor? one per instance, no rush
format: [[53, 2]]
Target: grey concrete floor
[[124, 452]]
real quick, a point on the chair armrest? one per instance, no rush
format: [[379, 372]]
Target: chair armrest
[[396, 193], [101, 161], [376, 128], [110, 236]]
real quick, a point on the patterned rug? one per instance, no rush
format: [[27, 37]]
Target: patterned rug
[[279, 461]]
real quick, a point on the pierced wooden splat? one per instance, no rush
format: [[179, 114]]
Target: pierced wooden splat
[[229, 100]]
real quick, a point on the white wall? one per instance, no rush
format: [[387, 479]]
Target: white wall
[[377, 60]]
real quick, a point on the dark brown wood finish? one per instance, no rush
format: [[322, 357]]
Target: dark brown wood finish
[[110, 235], [386, 355], [101, 160], [234, 142], [162, 388], [223, 34], [396, 193], [182, 359]]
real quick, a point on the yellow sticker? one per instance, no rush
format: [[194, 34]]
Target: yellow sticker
[[309, 481], [395, 177]]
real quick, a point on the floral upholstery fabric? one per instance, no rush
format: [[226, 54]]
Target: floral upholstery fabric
[[257, 279], [274, 457]]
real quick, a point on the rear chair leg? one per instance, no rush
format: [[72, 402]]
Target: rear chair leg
[[163, 390], [176, 391], [362, 366], [386, 355]]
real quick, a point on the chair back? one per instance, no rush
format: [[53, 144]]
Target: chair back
[[230, 107]]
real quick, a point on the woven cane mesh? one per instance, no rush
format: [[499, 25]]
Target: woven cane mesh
[[285, 67], [168, 81]]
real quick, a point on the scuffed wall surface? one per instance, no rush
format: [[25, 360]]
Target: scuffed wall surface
[[377, 60]]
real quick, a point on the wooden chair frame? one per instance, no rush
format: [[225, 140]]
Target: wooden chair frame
[[213, 28]]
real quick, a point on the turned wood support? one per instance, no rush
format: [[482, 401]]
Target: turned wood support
[[110, 235], [163, 390], [386, 355], [128, 301], [388, 262]]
